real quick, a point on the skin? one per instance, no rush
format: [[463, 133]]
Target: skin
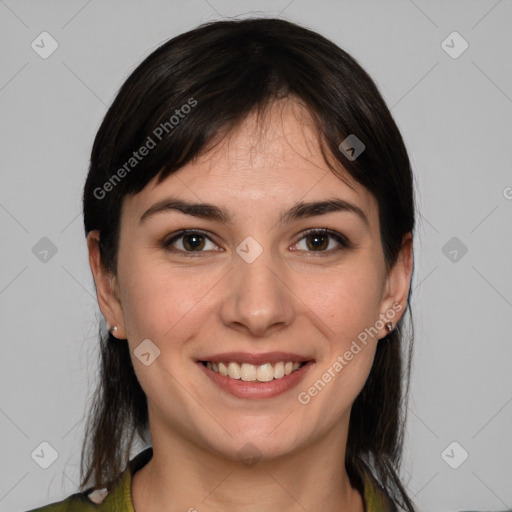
[[312, 302]]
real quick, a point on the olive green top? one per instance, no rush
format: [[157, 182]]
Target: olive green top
[[120, 497]]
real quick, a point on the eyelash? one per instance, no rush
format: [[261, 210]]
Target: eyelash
[[344, 242]]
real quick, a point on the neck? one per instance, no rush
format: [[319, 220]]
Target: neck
[[181, 476]]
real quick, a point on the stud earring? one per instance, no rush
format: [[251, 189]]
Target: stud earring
[[113, 329], [389, 327]]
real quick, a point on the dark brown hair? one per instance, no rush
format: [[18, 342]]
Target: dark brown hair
[[223, 71]]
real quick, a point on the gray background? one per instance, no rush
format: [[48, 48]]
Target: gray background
[[455, 115]]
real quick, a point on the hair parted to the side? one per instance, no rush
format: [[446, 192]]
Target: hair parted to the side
[[227, 70]]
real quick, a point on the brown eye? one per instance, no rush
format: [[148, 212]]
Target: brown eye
[[193, 242], [318, 240], [189, 241]]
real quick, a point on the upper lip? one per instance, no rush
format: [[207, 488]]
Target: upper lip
[[256, 359]]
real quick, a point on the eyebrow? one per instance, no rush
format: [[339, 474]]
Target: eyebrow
[[299, 210]]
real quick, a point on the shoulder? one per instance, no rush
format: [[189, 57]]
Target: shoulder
[[119, 498], [375, 498], [79, 502]]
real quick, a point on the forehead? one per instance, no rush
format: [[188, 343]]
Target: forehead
[[280, 145], [262, 165]]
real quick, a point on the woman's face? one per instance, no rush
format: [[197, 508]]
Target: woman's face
[[253, 282]]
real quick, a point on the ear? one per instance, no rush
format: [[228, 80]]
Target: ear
[[397, 286], [107, 289]]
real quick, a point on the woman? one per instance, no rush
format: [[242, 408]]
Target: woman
[[249, 215]]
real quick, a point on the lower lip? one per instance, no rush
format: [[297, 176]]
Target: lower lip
[[244, 389]]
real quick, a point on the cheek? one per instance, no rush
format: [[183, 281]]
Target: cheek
[[158, 298], [347, 300], [348, 305]]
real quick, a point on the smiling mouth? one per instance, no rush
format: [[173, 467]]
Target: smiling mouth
[[255, 373]]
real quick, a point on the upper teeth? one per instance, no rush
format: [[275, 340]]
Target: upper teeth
[[249, 372]]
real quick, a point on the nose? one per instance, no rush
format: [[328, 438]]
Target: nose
[[258, 299]]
